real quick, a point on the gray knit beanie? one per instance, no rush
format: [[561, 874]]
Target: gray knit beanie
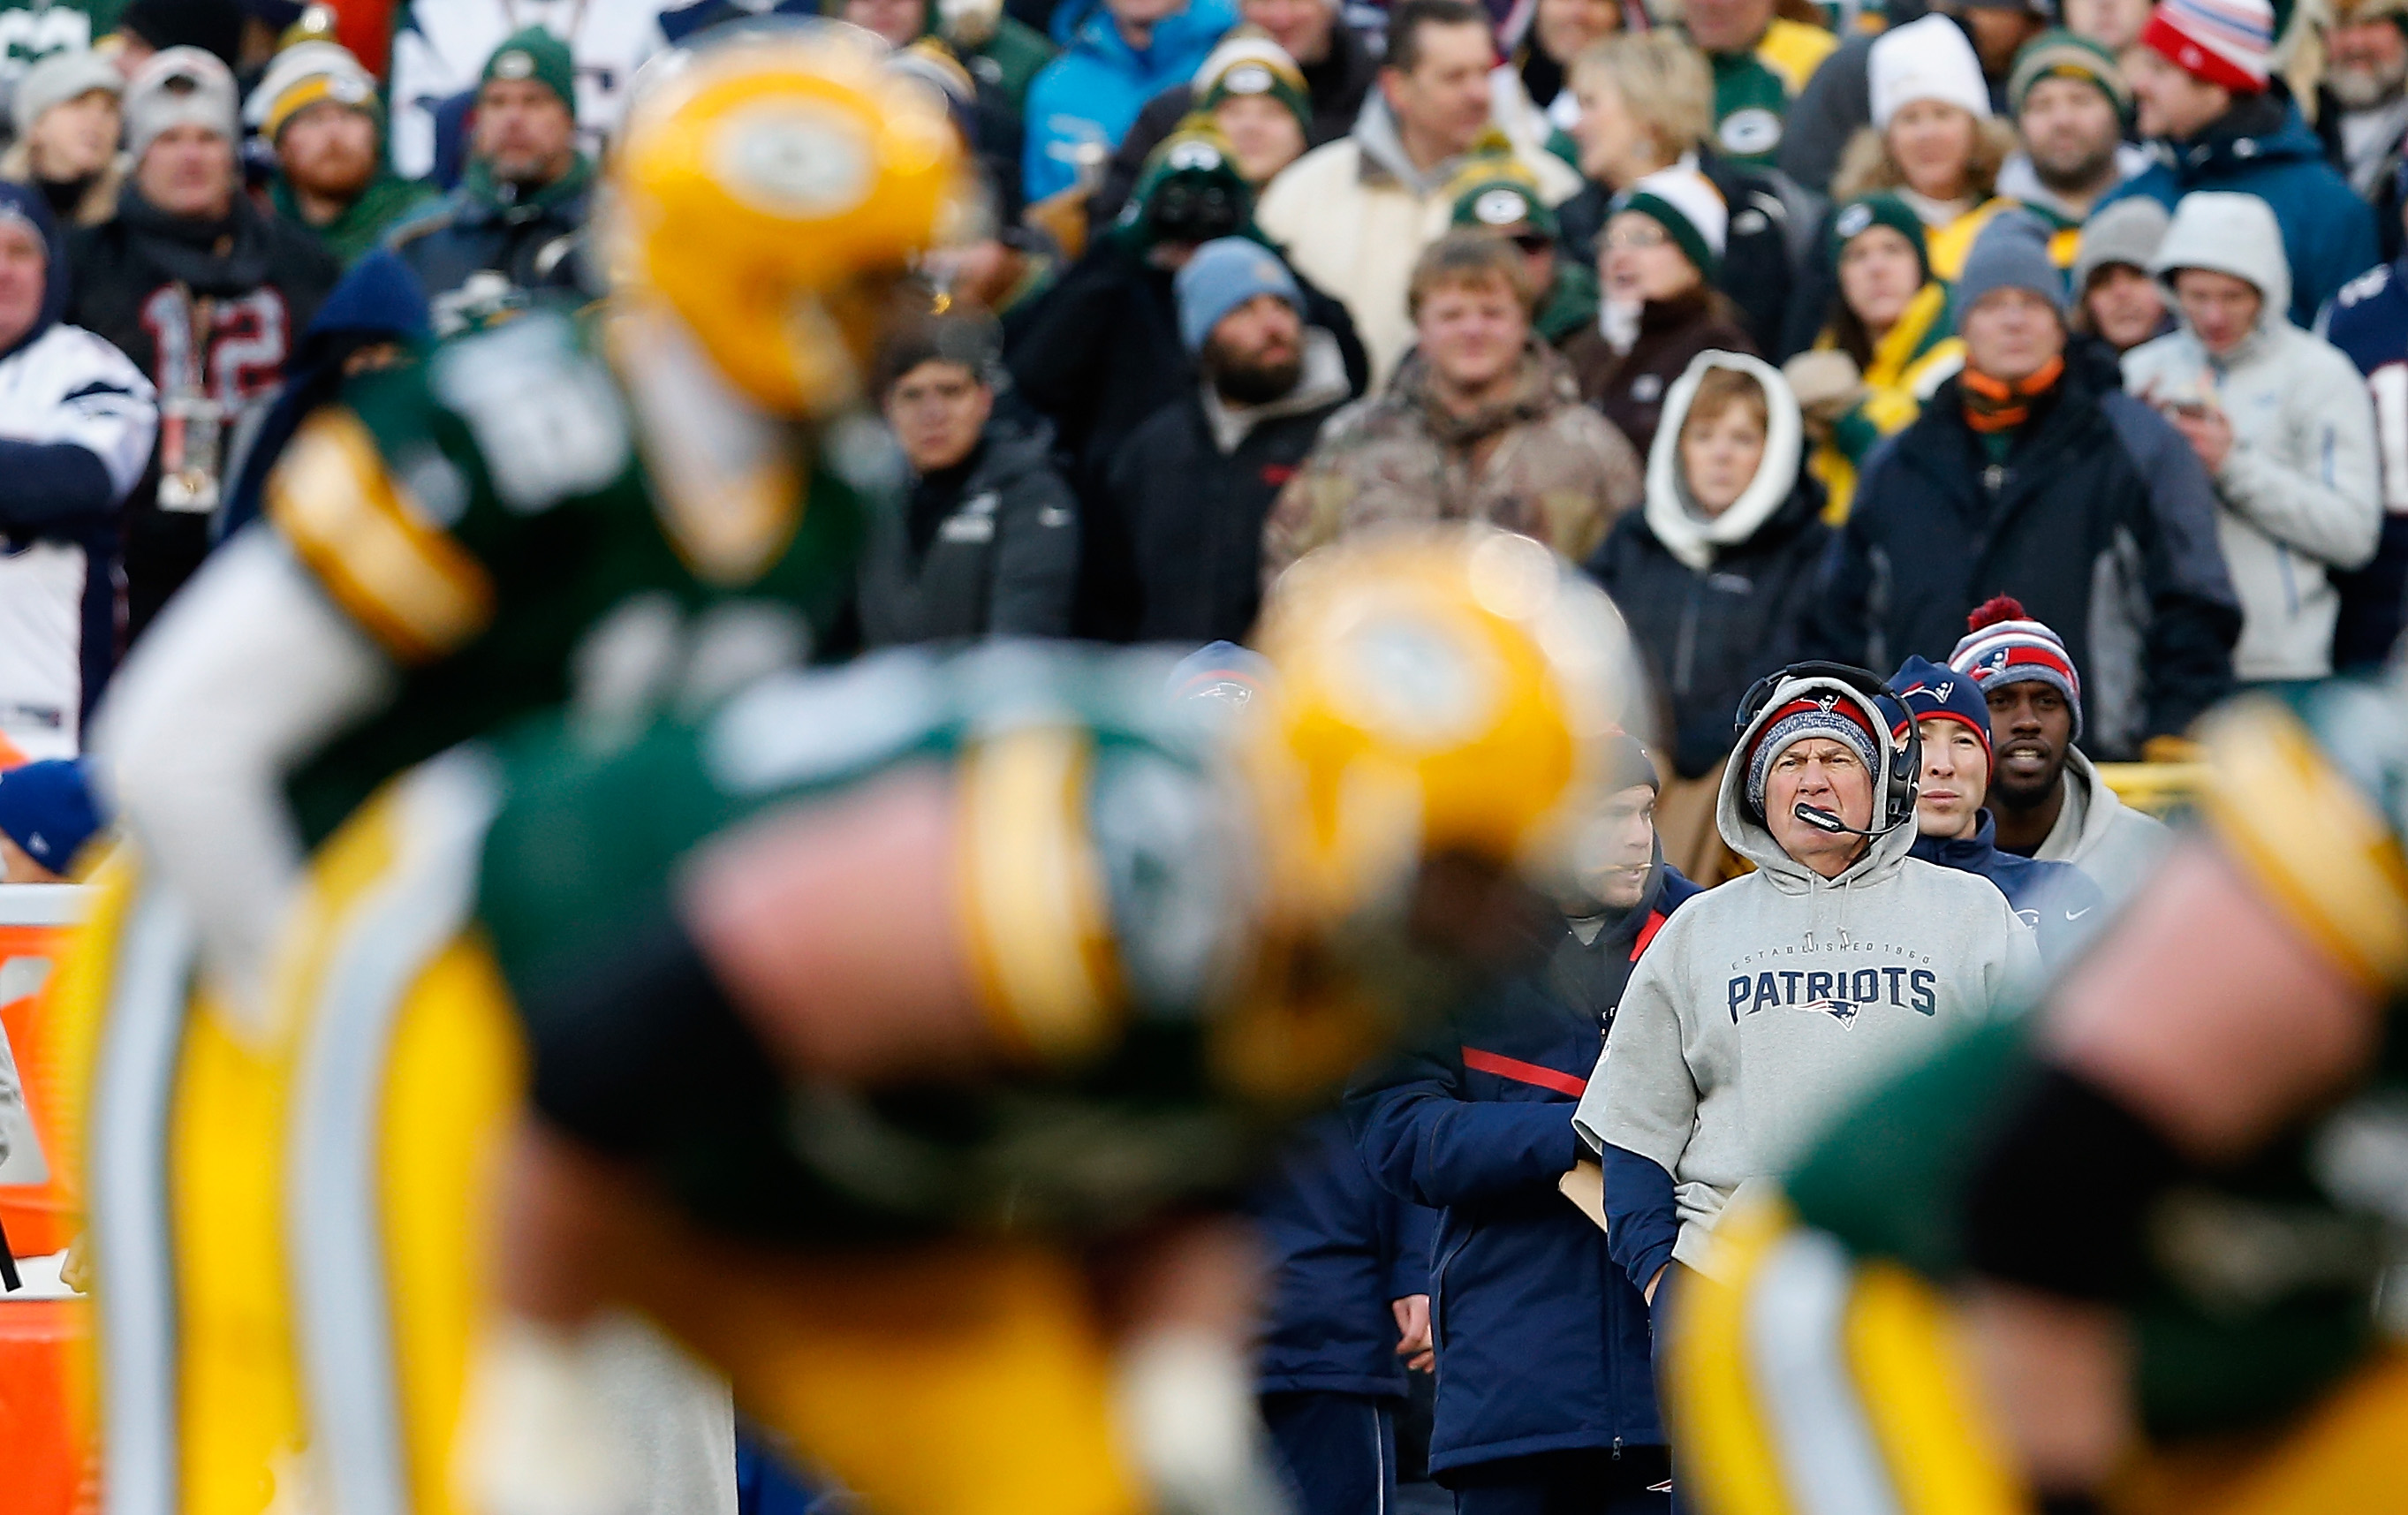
[[2012, 252], [2127, 232], [60, 78]]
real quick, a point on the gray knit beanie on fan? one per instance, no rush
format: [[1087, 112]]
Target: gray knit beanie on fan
[[2012, 252]]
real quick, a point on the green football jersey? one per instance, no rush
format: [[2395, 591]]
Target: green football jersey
[[1107, 891], [2263, 1276], [516, 525]]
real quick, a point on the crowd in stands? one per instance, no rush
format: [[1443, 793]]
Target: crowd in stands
[[2050, 359]]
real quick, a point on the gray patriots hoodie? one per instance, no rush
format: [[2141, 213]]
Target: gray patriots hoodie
[[1764, 1006]]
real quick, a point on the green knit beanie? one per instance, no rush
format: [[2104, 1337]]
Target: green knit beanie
[[2061, 54], [1867, 211], [532, 53]]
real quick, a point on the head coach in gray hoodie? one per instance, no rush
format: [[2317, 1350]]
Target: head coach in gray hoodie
[[1763, 1003]]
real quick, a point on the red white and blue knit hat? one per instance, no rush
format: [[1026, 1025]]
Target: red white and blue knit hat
[[1824, 712], [2227, 42], [2006, 647]]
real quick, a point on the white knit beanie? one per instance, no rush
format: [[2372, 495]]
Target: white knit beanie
[[1690, 209], [1926, 60]]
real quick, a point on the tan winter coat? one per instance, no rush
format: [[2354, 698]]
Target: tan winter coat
[[1539, 463]]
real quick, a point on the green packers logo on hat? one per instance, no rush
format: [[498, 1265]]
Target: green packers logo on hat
[[1501, 206], [1247, 78], [1853, 219], [1190, 156], [514, 63]]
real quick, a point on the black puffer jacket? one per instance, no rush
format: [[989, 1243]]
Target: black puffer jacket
[[2100, 520], [986, 548], [1101, 353], [1175, 545], [1715, 605]]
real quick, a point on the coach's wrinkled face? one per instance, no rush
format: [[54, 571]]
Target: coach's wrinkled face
[[1826, 773]]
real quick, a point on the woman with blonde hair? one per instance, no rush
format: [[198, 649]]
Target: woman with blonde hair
[[1646, 103]]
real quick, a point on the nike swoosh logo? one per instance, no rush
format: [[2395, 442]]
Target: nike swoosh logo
[[2076, 915]]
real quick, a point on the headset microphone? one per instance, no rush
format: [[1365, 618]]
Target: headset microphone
[[1822, 819]]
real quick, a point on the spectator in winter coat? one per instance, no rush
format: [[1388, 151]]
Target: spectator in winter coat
[[1337, 68], [1658, 309], [1646, 103], [1254, 94], [1100, 352], [1716, 576], [1176, 552], [2070, 101], [2200, 88], [986, 542], [65, 113], [1481, 425], [1084, 101], [2280, 419], [2045, 795], [1887, 344], [521, 206], [1545, 1399], [2369, 322], [1952, 828], [2362, 106], [1352, 216], [1761, 61], [1933, 144], [77, 419], [206, 292], [319, 109], [1764, 1005], [1839, 98], [440, 47], [2032, 474], [2116, 298]]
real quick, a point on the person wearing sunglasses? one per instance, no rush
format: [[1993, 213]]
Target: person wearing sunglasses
[[1495, 193], [1658, 261]]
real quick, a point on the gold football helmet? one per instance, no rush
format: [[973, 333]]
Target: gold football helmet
[[773, 189], [1440, 691]]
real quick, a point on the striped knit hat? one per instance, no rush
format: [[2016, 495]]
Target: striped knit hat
[[1828, 713], [1689, 209], [2227, 42], [2005, 647]]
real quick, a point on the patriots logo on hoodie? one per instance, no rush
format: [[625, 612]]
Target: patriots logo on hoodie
[[1838, 1009]]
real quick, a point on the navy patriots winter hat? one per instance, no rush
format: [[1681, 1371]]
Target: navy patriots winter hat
[[1930, 691], [2004, 646], [1828, 713]]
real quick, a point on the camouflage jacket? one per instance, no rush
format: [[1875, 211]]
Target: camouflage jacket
[[1539, 463]]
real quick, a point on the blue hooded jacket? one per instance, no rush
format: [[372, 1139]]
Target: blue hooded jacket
[[1093, 92], [2262, 148], [1342, 1248], [1543, 1343]]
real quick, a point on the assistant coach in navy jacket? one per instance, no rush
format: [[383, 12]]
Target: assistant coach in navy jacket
[[1543, 1383]]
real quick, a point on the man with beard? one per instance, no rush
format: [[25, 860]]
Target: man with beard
[[2045, 795], [319, 109], [2070, 102], [206, 292], [522, 203], [2363, 112], [1175, 553]]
